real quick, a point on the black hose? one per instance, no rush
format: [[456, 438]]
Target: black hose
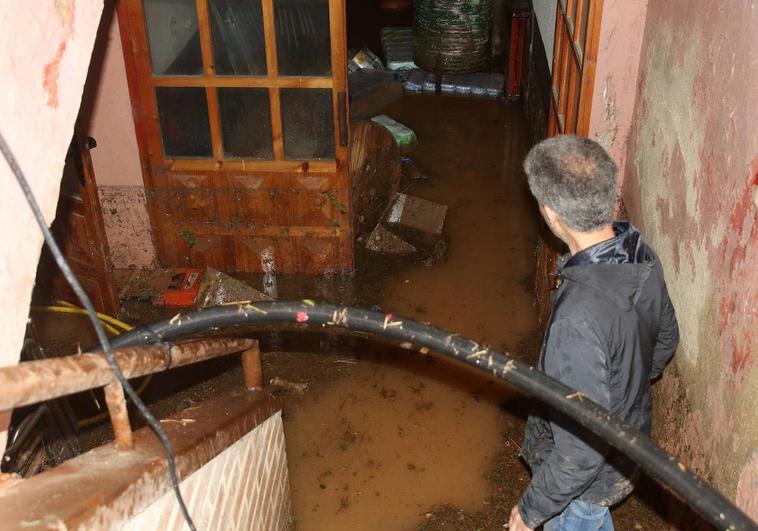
[[639, 447]]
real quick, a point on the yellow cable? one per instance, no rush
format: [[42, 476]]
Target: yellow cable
[[103, 317], [110, 324], [78, 311]]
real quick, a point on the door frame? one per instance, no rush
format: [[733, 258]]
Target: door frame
[[572, 85], [575, 51]]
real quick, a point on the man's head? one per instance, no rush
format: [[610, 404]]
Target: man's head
[[574, 182]]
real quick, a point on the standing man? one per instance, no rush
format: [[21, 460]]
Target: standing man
[[611, 332]]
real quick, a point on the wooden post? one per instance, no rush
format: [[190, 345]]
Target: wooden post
[[251, 367]]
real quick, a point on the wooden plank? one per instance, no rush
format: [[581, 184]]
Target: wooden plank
[[572, 93], [204, 32], [564, 74], [555, 81], [272, 69], [288, 166], [243, 81], [345, 251], [374, 173], [579, 25], [206, 50], [264, 231], [588, 67], [101, 257]]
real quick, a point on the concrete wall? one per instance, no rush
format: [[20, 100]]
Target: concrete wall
[[692, 184], [45, 50], [107, 116], [544, 13]]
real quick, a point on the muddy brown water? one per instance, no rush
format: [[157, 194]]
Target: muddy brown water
[[381, 448], [386, 438]]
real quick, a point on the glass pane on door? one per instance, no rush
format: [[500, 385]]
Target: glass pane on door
[[183, 115], [239, 48], [307, 124], [303, 46], [245, 123], [173, 37]]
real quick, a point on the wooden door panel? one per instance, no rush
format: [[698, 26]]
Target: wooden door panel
[[248, 250], [315, 201], [194, 199], [200, 181], [75, 239], [318, 254], [255, 199], [193, 248], [78, 229]]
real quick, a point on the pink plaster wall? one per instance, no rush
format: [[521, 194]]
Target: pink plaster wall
[[116, 159], [45, 49], [107, 116], [621, 32], [692, 184]]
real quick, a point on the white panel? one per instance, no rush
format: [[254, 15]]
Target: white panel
[[544, 12]]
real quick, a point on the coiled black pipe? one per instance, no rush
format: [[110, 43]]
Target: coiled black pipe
[[639, 447]]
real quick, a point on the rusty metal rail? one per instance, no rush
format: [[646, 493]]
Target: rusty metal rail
[[35, 381]]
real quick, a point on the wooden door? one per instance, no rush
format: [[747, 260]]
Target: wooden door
[[577, 33], [78, 228], [241, 116]]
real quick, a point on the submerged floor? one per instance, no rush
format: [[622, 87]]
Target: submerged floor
[[381, 448], [389, 439]]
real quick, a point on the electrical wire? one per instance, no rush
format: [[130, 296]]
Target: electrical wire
[[99, 329], [114, 327], [112, 330]]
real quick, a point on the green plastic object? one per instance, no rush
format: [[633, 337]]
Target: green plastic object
[[404, 136]]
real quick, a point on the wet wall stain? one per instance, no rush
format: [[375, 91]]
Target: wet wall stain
[[65, 11], [691, 182], [127, 226]]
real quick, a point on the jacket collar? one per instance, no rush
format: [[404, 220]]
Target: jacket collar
[[627, 247]]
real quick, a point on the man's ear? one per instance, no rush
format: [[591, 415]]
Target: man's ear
[[550, 215]]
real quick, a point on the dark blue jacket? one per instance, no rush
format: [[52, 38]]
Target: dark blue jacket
[[612, 331]]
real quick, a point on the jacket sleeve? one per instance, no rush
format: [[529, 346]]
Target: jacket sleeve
[[668, 336], [574, 356]]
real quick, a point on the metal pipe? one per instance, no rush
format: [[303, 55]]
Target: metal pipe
[[122, 429], [35, 381]]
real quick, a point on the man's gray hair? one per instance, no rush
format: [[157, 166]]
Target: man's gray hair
[[576, 178]]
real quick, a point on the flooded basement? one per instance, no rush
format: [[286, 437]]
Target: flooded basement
[[381, 437]]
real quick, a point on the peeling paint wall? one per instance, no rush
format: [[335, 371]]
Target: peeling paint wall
[[616, 75], [107, 114], [45, 50], [692, 184]]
